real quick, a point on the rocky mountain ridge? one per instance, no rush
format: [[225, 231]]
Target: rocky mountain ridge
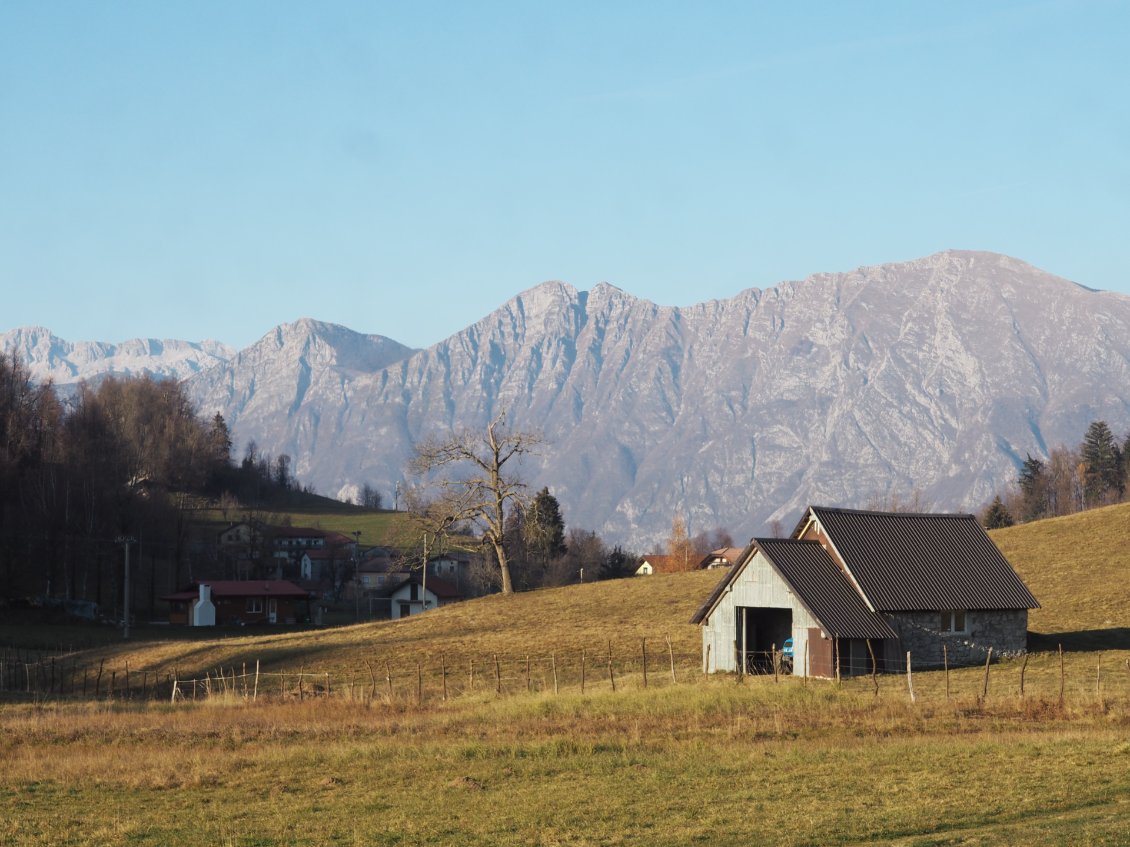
[[66, 363], [936, 376]]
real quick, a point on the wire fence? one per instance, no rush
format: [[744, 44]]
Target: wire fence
[[436, 678]]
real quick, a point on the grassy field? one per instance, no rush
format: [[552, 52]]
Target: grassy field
[[695, 761], [376, 528]]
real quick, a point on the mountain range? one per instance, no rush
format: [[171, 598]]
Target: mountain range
[[931, 378]]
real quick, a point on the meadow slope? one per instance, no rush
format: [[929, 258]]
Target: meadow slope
[[388, 759]]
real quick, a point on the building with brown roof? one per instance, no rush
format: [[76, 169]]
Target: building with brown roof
[[855, 589], [237, 602]]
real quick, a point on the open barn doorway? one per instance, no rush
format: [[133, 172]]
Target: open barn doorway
[[761, 631]]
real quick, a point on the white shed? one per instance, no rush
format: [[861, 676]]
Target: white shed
[[786, 600]]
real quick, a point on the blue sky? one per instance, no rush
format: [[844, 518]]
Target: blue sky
[[212, 169]]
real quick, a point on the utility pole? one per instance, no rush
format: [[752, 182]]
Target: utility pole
[[125, 541], [424, 579]]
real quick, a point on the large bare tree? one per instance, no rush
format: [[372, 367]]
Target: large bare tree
[[472, 477]]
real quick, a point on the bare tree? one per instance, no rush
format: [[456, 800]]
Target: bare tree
[[474, 479]]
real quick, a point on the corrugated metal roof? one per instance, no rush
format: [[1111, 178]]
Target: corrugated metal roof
[[915, 562], [817, 581]]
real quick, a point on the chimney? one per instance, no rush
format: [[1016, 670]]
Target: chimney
[[203, 612]]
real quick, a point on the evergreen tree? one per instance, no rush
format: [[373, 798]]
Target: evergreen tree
[[1033, 484], [997, 515], [1102, 476], [545, 527]]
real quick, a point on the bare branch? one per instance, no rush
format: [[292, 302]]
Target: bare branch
[[484, 494]]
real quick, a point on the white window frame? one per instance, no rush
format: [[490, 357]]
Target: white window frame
[[254, 606]]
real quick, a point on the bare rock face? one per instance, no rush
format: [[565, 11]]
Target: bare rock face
[[284, 390], [934, 376]]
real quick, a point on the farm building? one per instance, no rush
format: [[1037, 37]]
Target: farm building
[[851, 585], [234, 602]]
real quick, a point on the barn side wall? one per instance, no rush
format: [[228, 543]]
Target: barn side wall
[[758, 585], [920, 634]]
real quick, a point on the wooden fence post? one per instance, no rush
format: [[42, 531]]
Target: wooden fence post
[[582, 670], [497, 676], [372, 679], [946, 667], [98, 681], [443, 675], [529, 685], [553, 661], [874, 668], [388, 678], [706, 663], [255, 693], [419, 684], [910, 679], [985, 684], [671, 655], [1061, 676], [611, 676], [1099, 681], [773, 659], [644, 648], [471, 683], [1023, 668]]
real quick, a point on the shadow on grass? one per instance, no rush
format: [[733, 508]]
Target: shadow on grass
[[1081, 641]]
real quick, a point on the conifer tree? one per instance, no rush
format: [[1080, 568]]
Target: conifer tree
[[997, 515], [1102, 476]]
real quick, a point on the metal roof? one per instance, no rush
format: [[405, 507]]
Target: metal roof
[[917, 562], [817, 581]]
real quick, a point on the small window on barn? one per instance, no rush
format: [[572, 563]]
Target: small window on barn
[[254, 605], [954, 620]]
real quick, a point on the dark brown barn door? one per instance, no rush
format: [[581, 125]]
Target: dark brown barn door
[[820, 657]]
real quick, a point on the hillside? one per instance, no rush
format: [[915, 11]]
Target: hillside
[[539, 623], [1079, 569], [1076, 566]]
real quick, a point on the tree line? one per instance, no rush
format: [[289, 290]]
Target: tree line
[[125, 461], [1071, 479]]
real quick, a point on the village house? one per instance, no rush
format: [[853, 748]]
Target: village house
[[655, 563], [723, 557], [852, 589], [417, 594], [239, 602]]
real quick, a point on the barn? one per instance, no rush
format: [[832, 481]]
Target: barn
[[852, 590]]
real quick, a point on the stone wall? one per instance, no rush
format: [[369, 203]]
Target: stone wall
[[920, 634]]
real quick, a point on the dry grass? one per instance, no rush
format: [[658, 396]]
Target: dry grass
[[1079, 569], [704, 761], [712, 763], [562, 621]]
